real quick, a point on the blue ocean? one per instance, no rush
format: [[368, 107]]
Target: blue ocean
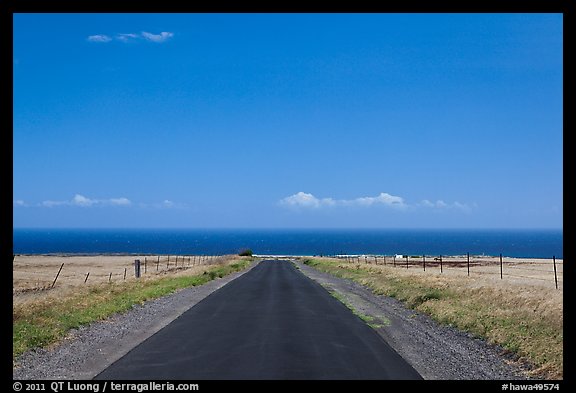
[[513, 243]]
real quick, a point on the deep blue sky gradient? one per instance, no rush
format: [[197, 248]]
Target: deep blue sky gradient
[[459, 115]]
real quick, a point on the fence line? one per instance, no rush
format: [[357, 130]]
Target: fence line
[[472, 264], [66, 274]]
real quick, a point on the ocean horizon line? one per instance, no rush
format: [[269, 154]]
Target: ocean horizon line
[[514, 243]]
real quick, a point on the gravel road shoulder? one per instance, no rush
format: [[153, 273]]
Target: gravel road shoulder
[[88, 350], [437, 352]]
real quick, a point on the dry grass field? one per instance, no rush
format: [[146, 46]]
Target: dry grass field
[[483, 269], [522, 311], [33, 275], [43, 314]]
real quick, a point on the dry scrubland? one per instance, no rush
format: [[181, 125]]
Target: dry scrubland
[[522, 312], [36, 273], [43, 314]]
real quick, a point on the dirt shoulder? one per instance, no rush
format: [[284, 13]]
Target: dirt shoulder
[[437, 352]]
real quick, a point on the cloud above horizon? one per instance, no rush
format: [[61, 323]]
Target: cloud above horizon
[[99, 38], [302, 199], [130, 37], [163, 36], [82, 201], [306, 200]]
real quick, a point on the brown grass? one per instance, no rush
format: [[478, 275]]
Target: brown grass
[[522, 314], [43, 316], [33, 275]]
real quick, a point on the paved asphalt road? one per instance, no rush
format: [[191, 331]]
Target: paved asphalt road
[[271, 323]]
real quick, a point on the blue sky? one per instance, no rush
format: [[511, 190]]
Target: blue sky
[[288, 120]]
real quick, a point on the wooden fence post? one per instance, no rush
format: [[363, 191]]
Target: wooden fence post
[[57, 276], [440, 263], [110, 277], [124, 274], [157, 262], [145, 263], [555, 276], [468, 262], [501, 275], [394, 260], [137, 268], [406, 261], [424, 261], [86, 279]]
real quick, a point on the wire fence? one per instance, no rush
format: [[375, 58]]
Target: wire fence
[[543, 270], [39, 275]]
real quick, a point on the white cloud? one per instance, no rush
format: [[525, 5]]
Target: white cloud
[[384, 199], [305, 200], [129, 37], [165, 204], [440, 204], [18, 202], [426, 203], [120, 201], [54, 203], [82, 201], [126, 37], [163, 36], [99, 38]]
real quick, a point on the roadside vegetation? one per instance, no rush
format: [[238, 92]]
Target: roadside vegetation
[[48, 319], [245, 252], [525, 320]]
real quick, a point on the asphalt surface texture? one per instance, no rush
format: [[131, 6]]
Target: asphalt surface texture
[[271, 323]]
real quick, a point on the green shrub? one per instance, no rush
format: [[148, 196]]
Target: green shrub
[[245, 252]]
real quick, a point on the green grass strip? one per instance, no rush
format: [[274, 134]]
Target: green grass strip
[[499, 319], [40, 324]]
